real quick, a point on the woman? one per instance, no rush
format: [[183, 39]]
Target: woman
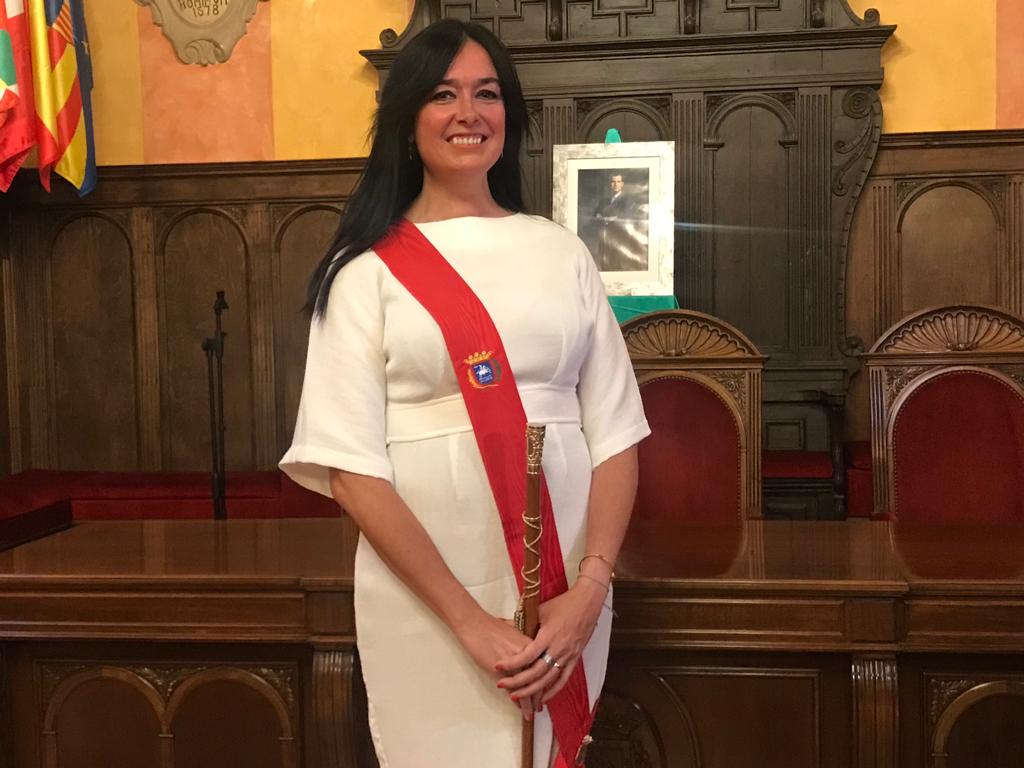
[[383, 425]]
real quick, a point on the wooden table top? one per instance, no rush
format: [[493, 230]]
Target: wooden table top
[[855, 585], [297, 550]]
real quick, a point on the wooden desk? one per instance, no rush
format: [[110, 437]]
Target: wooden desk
[[770, 643]]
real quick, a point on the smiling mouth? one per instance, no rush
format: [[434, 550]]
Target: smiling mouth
[[467, 140]]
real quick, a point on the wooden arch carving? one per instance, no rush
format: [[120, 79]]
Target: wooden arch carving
[[956, 708], [165, 688], [709, 351], [927, 344], [69, 684]]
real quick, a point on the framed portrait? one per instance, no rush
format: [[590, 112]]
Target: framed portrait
[[619, 199]]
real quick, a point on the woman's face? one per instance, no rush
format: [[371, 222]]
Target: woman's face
[[461, 129]]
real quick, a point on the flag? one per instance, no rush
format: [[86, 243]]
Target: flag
[[62, 79], [17, 114]]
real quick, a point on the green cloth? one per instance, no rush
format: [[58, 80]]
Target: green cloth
[[626, 307]]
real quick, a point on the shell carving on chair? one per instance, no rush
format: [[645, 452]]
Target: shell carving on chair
[[964, 329], [675, 338]]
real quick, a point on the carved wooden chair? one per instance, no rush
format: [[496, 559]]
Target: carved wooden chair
[[700, 379], [947, 416]]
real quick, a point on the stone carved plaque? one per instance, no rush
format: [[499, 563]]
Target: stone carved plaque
[[202, 31]]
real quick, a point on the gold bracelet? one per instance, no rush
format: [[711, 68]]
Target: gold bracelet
[[596, 581], [602, 558]]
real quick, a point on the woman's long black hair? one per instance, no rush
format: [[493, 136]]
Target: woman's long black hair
[[393, 175]]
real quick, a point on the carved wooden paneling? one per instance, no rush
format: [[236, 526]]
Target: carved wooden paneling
[[751, 175], [33, 279], [948, 240], [338, 700], [257, 227], [147, 338], [199, 252], [165, 715], [534, 21], [693, 265], [558, 123], [93, 349], [941, 223], [876, 712], [814, 112], [301, 236], [635, 119], [103, 323], [975, 719]]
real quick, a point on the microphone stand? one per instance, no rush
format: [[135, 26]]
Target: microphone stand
[[214, 349]]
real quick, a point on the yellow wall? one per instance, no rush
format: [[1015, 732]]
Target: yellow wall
[[940, 66], [941, 72], [117, 80], [324, 91]]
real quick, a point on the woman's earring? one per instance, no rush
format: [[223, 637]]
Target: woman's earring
[[412, 149]]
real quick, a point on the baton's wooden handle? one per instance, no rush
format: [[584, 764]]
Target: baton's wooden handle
[[532, 529]]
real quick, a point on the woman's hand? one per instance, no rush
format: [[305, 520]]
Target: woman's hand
[[488, 640], [566, 624]]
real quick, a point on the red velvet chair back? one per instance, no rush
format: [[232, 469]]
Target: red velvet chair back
[[947, 417], [690, 465], [700, 379], [958, 450]]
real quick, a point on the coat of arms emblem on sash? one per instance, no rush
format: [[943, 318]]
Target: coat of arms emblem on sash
[[483, 371]]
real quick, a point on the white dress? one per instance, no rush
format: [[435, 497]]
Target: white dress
[[380, 398]]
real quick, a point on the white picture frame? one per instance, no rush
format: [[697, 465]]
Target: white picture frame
[[619, 199]]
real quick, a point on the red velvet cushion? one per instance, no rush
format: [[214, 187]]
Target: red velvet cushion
[[33, 489], [175, 485], [690, 465], [858, 454], [958, 451], [159, 495], [796, 464]]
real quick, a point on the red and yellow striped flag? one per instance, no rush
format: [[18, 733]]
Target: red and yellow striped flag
[[17, 115], [62, 78]]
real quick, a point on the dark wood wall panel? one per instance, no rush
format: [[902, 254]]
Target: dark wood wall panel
[[105, 302], [300, 242], [941, 222], [710, 710], [93, 347], [751, 235], [202, 252], [105, 721], [7, 376], [948, 251]]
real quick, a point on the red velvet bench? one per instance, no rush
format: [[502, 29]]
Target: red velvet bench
[[38, 501], [799, 485]]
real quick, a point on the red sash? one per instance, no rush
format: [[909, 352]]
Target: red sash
[[499, 424]]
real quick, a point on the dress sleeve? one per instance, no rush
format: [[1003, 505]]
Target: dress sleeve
[[612, 413], [340, 422]]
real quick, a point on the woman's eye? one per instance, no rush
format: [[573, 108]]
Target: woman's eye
[[442, 96], [489, 95]]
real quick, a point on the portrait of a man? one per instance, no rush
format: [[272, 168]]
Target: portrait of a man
[[613, 217]]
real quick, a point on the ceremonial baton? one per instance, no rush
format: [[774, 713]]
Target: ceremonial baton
[[527, 618]]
